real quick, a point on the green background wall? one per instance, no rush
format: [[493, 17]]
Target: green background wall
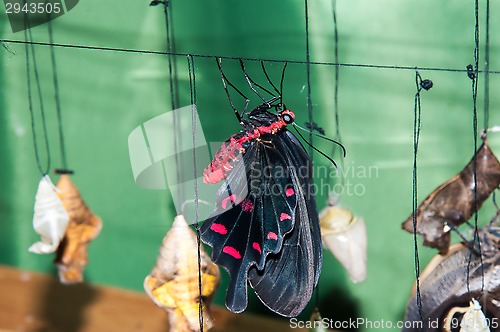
[[106, 94]]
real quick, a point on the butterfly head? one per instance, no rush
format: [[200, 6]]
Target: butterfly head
[[288, 116]]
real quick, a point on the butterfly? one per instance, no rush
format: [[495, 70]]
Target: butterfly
[[265, 227]]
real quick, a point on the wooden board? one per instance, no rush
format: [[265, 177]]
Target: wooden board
[[32, 301]]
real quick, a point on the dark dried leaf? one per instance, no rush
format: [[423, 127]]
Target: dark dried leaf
[[453, 201]]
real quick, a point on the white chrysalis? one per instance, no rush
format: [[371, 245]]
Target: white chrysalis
[[50, 219], [345, 236], [474, 319]]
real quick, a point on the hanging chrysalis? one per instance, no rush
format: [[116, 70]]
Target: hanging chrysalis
[[83, 227], [345, 236], [173, 283], [474, 319], [452, 203], [50, 219], [449, 282]]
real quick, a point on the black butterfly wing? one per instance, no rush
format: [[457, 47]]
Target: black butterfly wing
[[255, 209], [286, 283], [311, 216]]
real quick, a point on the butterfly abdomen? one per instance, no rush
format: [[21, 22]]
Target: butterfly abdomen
[[229, 152]]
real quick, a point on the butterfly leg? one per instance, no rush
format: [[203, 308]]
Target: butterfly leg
[[280, 106], [269, 79], [251, 84], [469, 244], [225, 83]]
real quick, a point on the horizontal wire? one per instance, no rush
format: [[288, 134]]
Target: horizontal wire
[[320, 63]]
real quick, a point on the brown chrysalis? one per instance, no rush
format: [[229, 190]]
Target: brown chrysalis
[[83, 227], [443, 285], [452, 203]]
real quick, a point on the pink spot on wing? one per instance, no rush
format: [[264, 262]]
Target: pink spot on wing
[[290, 192], [285, 216], [218, 228], [272, 236], [256, 246], [231, 198], [231, 251], [247, 205]]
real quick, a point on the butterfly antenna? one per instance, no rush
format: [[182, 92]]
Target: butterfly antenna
[[226, 82], [494, 197], [494, 220], [497, 214], [251, 83], [316, 149], [323, 137]]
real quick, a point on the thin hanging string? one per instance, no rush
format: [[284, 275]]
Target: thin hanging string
[[170, 49], [30, 47], [416, 137], [338, 136], [192, 90], [56, 95], [309, 106], [486, 70], [172, 85], [473, 75], [225, 57], [308, 72]]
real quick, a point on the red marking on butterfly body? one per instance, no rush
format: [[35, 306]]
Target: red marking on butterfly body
[[256, 246], [231, 198], [272, 236], [232, 149], [220, 165], [231, 251], [285, 216], [218, 228]]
